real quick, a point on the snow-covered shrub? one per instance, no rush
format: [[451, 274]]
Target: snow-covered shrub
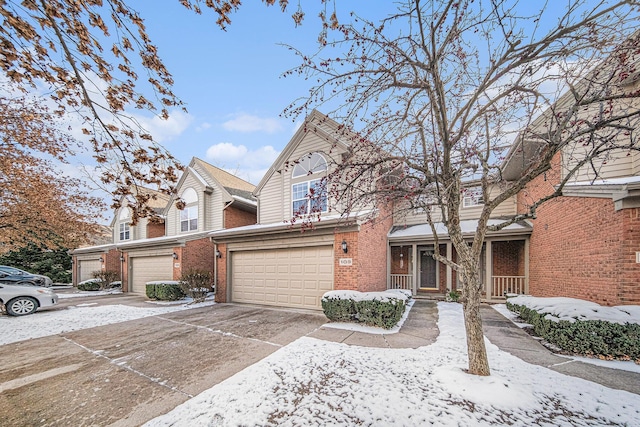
[[383, 309], [89, 285], [196, 284], [599, 338], [104, 278], [164, 290]]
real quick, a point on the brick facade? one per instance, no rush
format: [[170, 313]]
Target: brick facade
[[581, 247], [155, 229], [221, 265], [234, 217]]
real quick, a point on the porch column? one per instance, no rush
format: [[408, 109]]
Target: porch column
[[488, 262], [414, 257], [449, 271], [526, 265]]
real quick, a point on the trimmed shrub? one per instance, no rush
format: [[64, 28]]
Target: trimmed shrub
[[164, 291], [196, 284], [339, 310], [105, 278], [382, 309], [385, 313], [89, 285], [587, 337]]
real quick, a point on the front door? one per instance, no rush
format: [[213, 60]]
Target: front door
[[428, 269]]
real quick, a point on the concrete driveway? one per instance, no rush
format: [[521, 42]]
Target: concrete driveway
[[127, 373]]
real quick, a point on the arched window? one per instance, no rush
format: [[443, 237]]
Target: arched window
[[308, 191], [310, 164], [189, 215], [124, 224]]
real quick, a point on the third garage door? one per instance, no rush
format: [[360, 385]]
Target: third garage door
[[296, 277], [149, 269]]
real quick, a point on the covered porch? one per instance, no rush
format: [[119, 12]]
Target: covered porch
[[504, 266]]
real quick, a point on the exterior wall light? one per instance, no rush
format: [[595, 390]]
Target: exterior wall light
[[345, 249], [175, 255], [121, 258], [102, 259], [218, 254]]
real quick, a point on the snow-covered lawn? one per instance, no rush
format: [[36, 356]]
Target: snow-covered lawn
[[314, 382], [80, 316]]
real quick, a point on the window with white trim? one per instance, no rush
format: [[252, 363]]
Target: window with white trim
[[124, 224], [309, 196], [125, 231], [189, 215], [472, 197]]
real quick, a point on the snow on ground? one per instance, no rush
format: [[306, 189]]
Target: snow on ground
[[78, 294], [313, 382], [81, 316]]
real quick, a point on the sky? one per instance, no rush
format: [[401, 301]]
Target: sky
[[230, 81]]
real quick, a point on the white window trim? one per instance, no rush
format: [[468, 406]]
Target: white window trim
[[188, 209], [308, 198], [472, 198], [124, 231]]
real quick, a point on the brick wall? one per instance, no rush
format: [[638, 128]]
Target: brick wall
[[581, 247], [112, 262], [234, 217], [195, 255], [508, 258], [155, 229], [221, 264], [400, 256], [346, 277], [372, 251]]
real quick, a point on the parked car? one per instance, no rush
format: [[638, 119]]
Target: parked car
[[44, 280], [22, 299]]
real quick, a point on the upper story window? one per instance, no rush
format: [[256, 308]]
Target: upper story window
[[472, 197], [308, 191], [124, 226], [189, 215]]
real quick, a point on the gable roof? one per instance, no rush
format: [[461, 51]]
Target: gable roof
[[224, 178], [157, 201], [315, 122]]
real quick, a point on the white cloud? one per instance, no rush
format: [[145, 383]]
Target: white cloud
[[250, 165], [249, 123], [166, 130], [203, 126]]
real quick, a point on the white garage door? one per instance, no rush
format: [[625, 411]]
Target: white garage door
[[87, 267], [283, 277], [148, 269]]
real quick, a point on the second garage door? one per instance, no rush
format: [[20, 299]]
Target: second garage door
[[87, 267], [149, 269], [296, 277]]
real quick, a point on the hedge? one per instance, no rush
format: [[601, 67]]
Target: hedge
[[597, 338], [382, 309], [89, 285], [164, 291]]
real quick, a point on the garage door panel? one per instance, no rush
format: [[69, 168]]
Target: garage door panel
[[296, 277], [149, 269], [87, 267]]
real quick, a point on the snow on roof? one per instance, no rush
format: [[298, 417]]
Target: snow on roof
[[468, 227], [243, 200], [571, 309], [608, 181]]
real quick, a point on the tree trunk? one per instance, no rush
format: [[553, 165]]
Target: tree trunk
[[478, 361]]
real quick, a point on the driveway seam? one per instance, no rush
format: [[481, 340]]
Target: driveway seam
[[127, 367], [219, 332]]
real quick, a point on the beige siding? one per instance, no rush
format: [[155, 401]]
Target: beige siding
[[275, 196], [507, 208], [282, 277], [173, 215]]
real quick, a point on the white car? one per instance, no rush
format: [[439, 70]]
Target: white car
[[19, 300]]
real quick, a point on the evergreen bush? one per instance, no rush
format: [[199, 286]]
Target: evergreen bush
[[596, 338], [164, 291]]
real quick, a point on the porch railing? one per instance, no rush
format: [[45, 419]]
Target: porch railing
[[401, 281], [508, 285]]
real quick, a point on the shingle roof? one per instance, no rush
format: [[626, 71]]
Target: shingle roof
[[227, 180]]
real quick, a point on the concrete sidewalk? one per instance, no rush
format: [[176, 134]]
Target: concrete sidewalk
[[421, 329], [510, 338]]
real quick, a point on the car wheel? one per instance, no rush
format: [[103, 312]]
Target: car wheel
[[21, 306]]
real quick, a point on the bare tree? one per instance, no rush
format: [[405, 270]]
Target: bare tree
[[442, 89]]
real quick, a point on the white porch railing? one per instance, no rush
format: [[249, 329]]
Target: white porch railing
[[401, 281], [508, 285]]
